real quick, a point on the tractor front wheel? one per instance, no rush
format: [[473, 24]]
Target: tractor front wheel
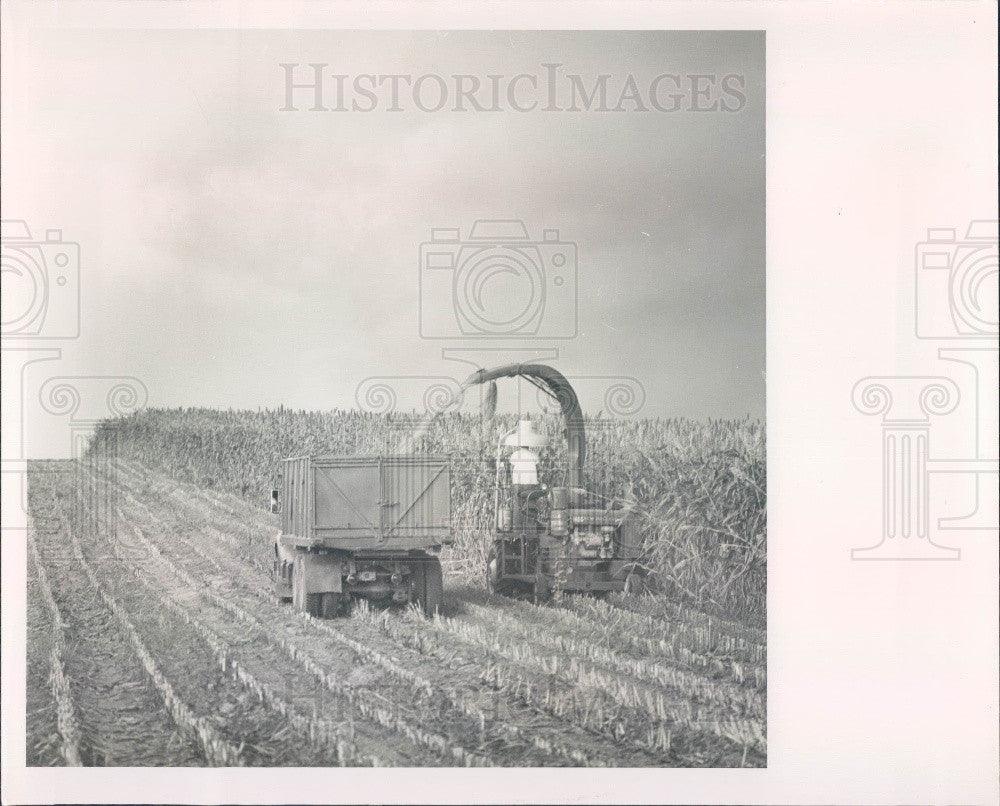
[[493, 575], [495, 582], [636, 584]]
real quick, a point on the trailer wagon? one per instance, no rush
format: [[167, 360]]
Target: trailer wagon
[[367, 527]]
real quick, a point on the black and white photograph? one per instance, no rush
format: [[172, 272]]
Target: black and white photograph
[[445, 397], [385, 399]]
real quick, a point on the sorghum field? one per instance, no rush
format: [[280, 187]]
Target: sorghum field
[[155, 638]]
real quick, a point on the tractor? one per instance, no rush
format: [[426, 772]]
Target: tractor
[[561, 537]]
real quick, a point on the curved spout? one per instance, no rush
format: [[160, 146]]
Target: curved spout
[[556, 385]]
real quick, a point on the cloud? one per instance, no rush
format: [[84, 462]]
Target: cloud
[[297, 233]]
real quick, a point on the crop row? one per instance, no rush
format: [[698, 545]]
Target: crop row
[[572, 670], [541, 689], [645, 670], [662, 609], [634, 694], [200, 513], [66, 717], [468, 703], [218, 751], [420, 686], [471, 705], [634, 702], [384, 712], [581, 619], [694, 630], [320, 732]]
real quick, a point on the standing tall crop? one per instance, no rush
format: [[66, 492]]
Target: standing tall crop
[[700, 487]]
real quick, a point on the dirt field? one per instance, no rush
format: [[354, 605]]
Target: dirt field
[[154, 639]]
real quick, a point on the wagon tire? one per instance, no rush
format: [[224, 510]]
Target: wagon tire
[[314, 604], [434, 586], [332, 604]]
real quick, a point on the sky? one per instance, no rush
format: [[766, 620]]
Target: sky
[[236, 255]]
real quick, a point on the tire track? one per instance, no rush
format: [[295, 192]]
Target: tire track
[[279, 689]]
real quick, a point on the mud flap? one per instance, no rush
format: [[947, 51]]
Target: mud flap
[[282, 577], [427, 586], [312, 574]]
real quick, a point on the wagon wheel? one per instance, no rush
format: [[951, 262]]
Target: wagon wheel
[[540, 592], [434, 586], [314, 604], [331, 604]]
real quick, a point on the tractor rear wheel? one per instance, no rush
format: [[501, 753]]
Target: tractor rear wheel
[[428, 584]]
